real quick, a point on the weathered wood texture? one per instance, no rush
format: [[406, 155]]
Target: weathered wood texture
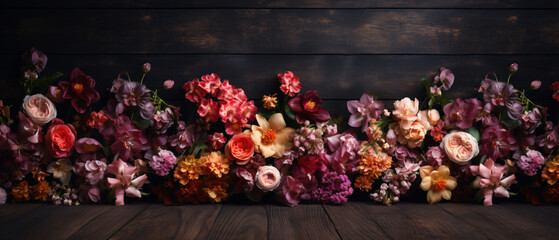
[[294, 31], [280, 4]]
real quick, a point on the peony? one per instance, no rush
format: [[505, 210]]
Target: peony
[[406, 109], [240, 148], [438, 183], [60, 139], [268, 178], [460, 147], [290, 83], [39, 109], [306, 107], [272, 137]]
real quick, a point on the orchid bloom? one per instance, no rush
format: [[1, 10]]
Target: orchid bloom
[[124, 181], [438, 183], [61, 169], [490, 179], [272, 137]]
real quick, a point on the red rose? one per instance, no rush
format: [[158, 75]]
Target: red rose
[[240, 148], [60, 139]]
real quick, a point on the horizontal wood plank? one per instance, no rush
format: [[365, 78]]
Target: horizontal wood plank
[[171, 222], [279, 4], [300, 222], [333, 76], [240, 222], [285, 31]]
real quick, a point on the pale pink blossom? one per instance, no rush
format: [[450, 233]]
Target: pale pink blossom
[[124, 181], [492, 181]]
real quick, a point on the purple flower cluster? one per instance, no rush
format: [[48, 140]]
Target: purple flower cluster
[[396, 183], [531, 163], [363, 111], [162, 162], [162, 120], [308, 139], [334, 189], [133, 94], [501, 94]]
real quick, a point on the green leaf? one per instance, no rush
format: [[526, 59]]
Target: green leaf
[[43, 83], [431, 103], [474, 132], [289, 112], [509, 123], [427, 84], [445, 101], [142, 123]]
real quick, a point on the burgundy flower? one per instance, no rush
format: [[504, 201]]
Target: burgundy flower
[[461, 113], [306, 108], [555, 89], [80, 89], [530, 120], [128, 140], [133, 94], [501, 94], [184, 138], [496, 142]]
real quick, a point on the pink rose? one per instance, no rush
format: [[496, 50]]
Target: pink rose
[[268, 178], [460, 147], [406, 109], [39, 109], [240, 148], [60, 139]]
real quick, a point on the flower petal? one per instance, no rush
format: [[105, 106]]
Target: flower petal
[[446, 194], [133, 192], [434, 196], [426, 183], [444, 172], [276, 122], [425, 171], [501, 192], [266, 150], [487, 197], [262, 122]]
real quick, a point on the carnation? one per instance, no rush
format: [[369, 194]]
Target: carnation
[[290, 83], [334, 188], [531, 163], [163, 162]]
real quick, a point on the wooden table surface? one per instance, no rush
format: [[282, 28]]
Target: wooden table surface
[[355, 220]]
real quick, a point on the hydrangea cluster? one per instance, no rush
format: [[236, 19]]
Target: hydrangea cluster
[[334, 189], [531, 162], [309, 139]]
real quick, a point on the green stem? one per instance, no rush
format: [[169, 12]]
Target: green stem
[[508, 80], [143, 76]]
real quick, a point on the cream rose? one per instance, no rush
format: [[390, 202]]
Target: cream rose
[[429, 117], [460, 147], [39, 109], [415, 134], [268, 178], [406, 109]]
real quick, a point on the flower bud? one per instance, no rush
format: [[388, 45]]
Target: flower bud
[[146, 67]]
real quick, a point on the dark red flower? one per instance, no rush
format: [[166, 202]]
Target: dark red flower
[[555, 89], [310, 163], [306, 107], [80, 89]]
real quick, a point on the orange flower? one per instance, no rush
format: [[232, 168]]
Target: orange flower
[[270, 101], [190, 192], [551, 171], [371, 167], [217, 163], [363, 183], [21, 191], [216, 190], [189, 168], [40, 191]]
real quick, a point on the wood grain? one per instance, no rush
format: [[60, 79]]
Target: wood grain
[[54, 221], [13, 210], [171, 222], [545, 215], [285, 31], [300, 222], [280, 4], [109, 222], [240, 222], [333, 76], [439, 223]]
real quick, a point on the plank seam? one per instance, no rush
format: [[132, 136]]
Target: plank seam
[[461, 219], [332, 222]]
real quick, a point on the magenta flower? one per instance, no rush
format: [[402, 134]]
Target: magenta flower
[[531, 163], [435, 156], [210, 83], [530, 120], [550, 139], [334, 188], [128, 140], [168, 84], [461, 114], [490, 180], [291, 191], [445, 77], [290, 83], [306, 107], [536, 84], [344, 148], [496, 142], [124, 181], [80, 89], [37, 58], [503, 95], [363, 111], [132, 94], [184, 138], [162, 120]]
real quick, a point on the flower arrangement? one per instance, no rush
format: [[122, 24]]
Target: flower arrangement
[[135, 144]]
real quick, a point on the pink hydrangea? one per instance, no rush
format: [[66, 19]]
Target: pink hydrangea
[[162, 162], [531, 163], [290, 83], [435, 156]]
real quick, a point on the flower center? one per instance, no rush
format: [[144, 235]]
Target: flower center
[[269, 136], [310, 105], [439, 184], [78, 88]]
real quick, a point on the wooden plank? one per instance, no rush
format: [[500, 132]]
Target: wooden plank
[[109, 222], [285, 31], [527, 228], [300, 222], [15, 209], [171, 222], [484, 225], [279, 4], [545, 215], [439, 223], [240, 222], [333, 76], [369, 220], [54, 221]]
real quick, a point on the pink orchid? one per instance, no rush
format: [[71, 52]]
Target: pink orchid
[[490, 180], [124, 181]]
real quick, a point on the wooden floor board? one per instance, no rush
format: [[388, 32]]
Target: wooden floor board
[[52, 222], [439, 223], [240, 222], [171, 222], [300, 222]]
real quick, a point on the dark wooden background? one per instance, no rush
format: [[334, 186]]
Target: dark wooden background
[[341, 48]]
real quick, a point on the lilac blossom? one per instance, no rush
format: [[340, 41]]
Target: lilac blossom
[[309, 139], [334, 189], [531, 163], [363, 111], [162, 162]]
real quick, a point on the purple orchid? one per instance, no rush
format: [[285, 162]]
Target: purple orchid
[[363, 111]]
